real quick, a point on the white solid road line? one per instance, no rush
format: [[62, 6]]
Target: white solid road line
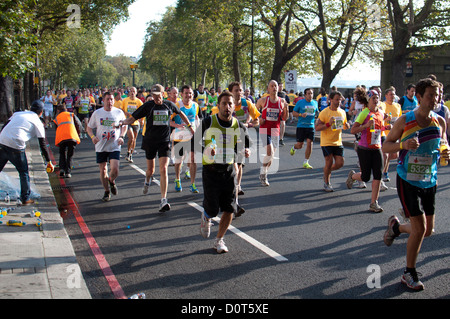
[[233, 229], [246, 237]]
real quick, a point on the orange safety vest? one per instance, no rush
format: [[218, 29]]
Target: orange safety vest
[[65, 130]]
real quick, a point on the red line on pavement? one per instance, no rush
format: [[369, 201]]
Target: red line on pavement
[[101, 260]]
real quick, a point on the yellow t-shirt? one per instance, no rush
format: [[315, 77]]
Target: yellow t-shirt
[[118, 104], [395, 109], [129, 105], [328, 137], [252, 110]]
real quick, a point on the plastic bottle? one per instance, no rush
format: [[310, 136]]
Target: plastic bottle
[[333, 125], [372, 126], [50, 168], [34, 214], [388, 122], [140, 295], [213, 146], [443, 147], [17, 223]]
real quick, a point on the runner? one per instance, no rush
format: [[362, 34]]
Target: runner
[[68, 102], [182, 137], [409, 101], [221, 133], [332, 120], [172, 96], [273, 110], [108, 141], [306, 111], [416, 136], [370, 123], [129, 105], [84, 104], [281, 93], [392, 112], [292, 103], [201, 98], [246, 113], [212, 100], [156, 140], [48, 100]]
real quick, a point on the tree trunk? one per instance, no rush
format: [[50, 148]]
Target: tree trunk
[[205, 71], [6, 99]]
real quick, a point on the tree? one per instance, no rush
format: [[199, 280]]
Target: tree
[[289, 37], [17, 49], [343, 28], [411, 26]]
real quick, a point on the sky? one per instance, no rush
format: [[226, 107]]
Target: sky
[[134, 29], [142, 11]]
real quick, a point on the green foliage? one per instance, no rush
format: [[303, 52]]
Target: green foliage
[[17, 39]]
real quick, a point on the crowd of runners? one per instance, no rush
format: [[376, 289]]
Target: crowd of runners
[[187, 127]]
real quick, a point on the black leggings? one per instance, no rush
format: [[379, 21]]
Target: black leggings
[[370, 161]]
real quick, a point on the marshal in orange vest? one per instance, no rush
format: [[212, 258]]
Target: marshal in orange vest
[[66, 130]]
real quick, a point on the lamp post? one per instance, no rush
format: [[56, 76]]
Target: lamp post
[[133, 68]]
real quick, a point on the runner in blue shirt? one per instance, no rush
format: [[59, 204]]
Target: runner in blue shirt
[[306, 111]]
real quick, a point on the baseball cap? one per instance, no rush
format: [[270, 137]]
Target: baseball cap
[[157, 89]]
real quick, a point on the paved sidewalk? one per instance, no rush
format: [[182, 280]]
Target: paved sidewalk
[[37, 262]]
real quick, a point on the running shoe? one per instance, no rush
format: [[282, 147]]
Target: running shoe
[[362, 184], [219, 246], [349, 182], [307, 166], [292, 151], [68, 175], [328, 188], [106, 197], [194, 189], [164, 206], [263, 180], [240, 211], [113, 187], [389, 235], [281, 142], [130, 158], [145, 188], [178, 187], [187, 175], [205, 226], [374, 207], [383, 186], [411, 280], [240, 191], [386, 177]]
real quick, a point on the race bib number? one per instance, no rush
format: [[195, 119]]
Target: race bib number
[[272, 114], [309, 110], [161, 117], [419, 168], [339, 122], [375, 138]]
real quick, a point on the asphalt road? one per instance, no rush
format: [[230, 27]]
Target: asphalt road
[[294, 241]]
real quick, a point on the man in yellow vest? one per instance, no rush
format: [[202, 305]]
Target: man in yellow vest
[[67, 130], [221, 133]]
